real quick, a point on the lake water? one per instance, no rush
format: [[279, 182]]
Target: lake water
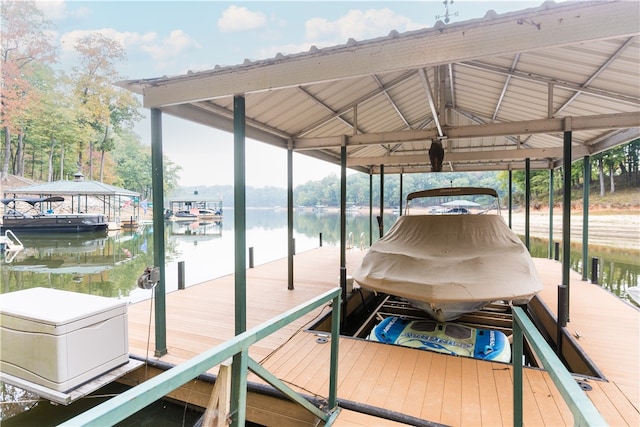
[[110, 265]]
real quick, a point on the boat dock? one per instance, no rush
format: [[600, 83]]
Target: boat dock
[[381, 384]]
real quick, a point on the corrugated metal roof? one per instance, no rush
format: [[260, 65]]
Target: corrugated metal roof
[[496, 90], [72, 188]]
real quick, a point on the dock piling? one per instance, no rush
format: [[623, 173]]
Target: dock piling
[[594, 270], [180, 275]]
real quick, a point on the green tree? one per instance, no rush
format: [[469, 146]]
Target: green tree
[[52, 124], [133, 165], [24, 42], [103, 108]]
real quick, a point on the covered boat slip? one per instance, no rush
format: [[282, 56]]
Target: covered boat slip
[[533, 89], [430, 386], [450, 264]]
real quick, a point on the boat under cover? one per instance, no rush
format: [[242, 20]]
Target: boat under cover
[[36, 221], [449, 265]]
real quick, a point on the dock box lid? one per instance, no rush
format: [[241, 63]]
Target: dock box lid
[[54, 311]]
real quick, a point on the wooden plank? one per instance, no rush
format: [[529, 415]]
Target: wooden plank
[[452, 395], [470, 414], [218, 409], [546, 404], [348, 386], [399, 389], [565, 412], [614, 406], [345, 360], [366, 390], [348, 418], [389, 376], [432, 405], [504, 389], [489, 405], [417, 389]]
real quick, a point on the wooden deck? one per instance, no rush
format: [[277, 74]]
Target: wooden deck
[[434, 387]]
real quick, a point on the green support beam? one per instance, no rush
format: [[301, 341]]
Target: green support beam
[[400, 201], [551, 202], [238, 369], [157, 181], [370, 209], [290, 247], [510, 198], [343, 227], [381, 223], [585, 217], [527, 202], [566, 218]]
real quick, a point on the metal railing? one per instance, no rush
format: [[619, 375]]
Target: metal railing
[[584, 412], [136, 398]]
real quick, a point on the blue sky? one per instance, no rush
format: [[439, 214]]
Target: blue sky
[[172, 37]]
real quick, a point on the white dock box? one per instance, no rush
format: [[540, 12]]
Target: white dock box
[[61, 339]]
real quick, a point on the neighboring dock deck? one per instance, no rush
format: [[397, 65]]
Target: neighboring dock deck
[[434, 387]]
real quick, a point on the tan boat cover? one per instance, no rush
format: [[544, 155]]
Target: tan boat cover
[[450, 259]]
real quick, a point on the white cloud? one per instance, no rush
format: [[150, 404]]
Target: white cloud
[[177, 42], [358, 24], [126, 38], [57, 10], [237, 18], [160, 50]]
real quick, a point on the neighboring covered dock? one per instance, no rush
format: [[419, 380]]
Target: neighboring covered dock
[[111, 199]]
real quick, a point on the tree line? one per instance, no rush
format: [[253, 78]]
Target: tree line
[[620, 163], [56, 123]]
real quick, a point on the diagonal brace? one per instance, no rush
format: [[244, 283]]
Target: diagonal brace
[[260, 371]]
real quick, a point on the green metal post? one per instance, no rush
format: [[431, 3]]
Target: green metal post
[[400, 204], [381, 224], [566, 216], [239, 366], [370, 208], [291, 249], [335, 337], [343, 225], [527, 203], [585, 217], [157, 181], [517, 373], [551, 202], [510, 198]]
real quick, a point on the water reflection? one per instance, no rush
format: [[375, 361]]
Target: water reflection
[[109, 265], [618, 269], [195, 230], [98, 264]]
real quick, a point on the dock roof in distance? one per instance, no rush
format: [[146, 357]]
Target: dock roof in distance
[[72, 188]]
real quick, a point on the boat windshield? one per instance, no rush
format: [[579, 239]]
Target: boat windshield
[[453, 201]]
